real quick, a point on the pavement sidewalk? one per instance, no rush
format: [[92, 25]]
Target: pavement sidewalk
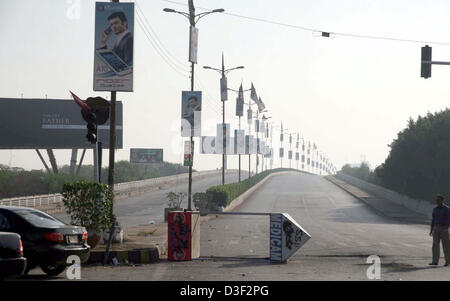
[[385, 207]]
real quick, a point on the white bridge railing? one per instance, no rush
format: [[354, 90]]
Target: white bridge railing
[[53, 202]]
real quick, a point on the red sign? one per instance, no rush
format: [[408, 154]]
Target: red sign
[[179, 240]]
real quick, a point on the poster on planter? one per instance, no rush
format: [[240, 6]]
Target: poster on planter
[[179, 240]]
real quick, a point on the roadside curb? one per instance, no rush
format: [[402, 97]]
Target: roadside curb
[[382, 205], [328, 178], [136, 256]]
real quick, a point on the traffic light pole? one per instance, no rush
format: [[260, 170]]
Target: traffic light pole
[[96, 177]]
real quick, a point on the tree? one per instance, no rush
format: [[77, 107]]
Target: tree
[[418, 164]]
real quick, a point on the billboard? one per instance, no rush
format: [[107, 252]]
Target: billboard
[[146, 155], [49, 123], [191, 113], [113, 56]]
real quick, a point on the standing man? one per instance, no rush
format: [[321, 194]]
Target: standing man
[[439, 231]]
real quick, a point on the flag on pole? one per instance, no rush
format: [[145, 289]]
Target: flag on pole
[[261, 105], [253, 94], [83, 105]]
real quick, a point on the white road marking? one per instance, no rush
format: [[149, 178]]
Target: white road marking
[[306, 208]]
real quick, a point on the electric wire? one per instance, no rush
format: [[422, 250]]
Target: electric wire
[[164, 53], [351, 35]]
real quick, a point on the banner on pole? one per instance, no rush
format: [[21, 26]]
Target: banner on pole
[[239, 137], [223, 89], [193, 44], [113, 56], [208, 145], [223, 138], [188, 153], [249, 116], [191, 113]]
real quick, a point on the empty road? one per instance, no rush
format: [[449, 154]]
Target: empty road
[[344, 233]]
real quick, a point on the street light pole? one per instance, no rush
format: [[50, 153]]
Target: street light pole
[[239, 95], [193, 19], [223, 72]]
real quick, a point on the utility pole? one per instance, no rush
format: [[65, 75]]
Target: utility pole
[[193, 19], [112, 146], [240, 114], [223, 84]]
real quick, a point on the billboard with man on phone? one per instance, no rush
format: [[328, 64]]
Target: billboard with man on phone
[[114, 35]]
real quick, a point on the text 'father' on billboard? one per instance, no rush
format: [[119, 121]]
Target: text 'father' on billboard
[[113, 59], [49, 123]]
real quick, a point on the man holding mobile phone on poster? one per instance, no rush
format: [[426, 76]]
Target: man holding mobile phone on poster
[[123, 47]]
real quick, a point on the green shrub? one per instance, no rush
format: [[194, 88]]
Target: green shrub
[[222, 195], [174, 199], [88, 204]]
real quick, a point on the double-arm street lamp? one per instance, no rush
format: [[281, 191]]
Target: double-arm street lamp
[[193, 19], [239, 155], [223, 72]]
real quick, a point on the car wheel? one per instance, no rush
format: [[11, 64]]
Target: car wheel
[[53, 270]]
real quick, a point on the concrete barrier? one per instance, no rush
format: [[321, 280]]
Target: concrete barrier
[[419, 206], [52, 203]]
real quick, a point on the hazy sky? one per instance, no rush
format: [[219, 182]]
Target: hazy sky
[[351, 96]]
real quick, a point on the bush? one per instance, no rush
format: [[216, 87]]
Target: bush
[[222, 195], [174, 200], [88, 204]]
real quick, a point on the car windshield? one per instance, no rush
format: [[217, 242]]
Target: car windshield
[[39, 219]]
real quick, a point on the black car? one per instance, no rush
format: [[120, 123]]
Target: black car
[[47, 241], [12, 262]]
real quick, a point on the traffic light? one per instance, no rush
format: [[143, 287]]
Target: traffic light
[[92, 128], [425, 68]]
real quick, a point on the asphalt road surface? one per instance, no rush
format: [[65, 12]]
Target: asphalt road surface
[[150, 206], [344, 233]]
